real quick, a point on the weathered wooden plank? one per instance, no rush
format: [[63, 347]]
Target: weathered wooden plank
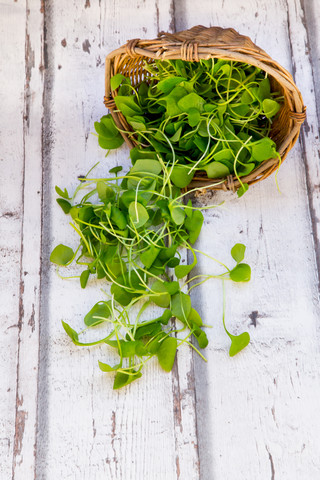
[[254, 411], [310, 19], [11, 141], [305, 45], [127, 434], [28, 325], [17, 406]]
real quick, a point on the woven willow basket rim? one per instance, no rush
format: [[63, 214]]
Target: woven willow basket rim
[[198, 43]]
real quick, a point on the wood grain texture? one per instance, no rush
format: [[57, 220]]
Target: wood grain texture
[[28, 326], [253, 416], [22, 79], [12, 76]]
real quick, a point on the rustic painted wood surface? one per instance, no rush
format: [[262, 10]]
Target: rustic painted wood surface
[[253, 416]]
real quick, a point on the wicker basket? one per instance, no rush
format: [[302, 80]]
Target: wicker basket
[[203, 43]]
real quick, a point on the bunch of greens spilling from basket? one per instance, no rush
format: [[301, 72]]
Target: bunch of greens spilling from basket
[[132, 230], [210, 118]]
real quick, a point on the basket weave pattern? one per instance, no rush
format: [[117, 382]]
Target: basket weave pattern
[[203, 43]]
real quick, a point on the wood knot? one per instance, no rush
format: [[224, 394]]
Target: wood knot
[[298, 117], [189, 51], [130, 47]]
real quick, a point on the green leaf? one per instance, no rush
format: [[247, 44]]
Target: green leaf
[[121, 295], [147, 330], [171, 101], [116, 80], [138, 214], [238, 343], [127, 287], [84, 277], [270, 107], [242, 190], [194, 318], [105, 193], [62, 193], [72, 333], [118, 217], [216, 170], [181, 176], [149, 256], [263, 149], [193, 225], [245, 169], [108, 135], [163, 299], [173, 262], [201, 143], [201, 337], [138, 154], [264, 89], [126, 348], [167, 352], [176, 137], [194, 117], [110, 143], [238, 251], [224, 154], [127, 105], [129, 196], [123, 379], [168, 84], [115, 169], [191, 101], [64, 204], [183, 270], [177, 214], [61, 255], [137, 123], [116, 266], [181, 306], [107, 368], [74, 336], [146, 166], [189, 210], [100, 309], [248, 97], [172, 287], [241, 273], [165, 317], [168, 252]]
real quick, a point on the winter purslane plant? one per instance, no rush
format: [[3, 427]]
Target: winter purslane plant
[[131, 236], [211, 116]]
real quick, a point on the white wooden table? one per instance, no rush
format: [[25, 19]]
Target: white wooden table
[[255, 416]]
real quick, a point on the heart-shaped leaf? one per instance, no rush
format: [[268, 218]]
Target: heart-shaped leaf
[[138, 214], [241, 273], [167, 352], [61, 255], [238, 343], [270, 107], [238, 251]]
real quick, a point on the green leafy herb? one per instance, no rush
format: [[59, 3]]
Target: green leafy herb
[[216, 117], [61, 255], [211, 116]]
